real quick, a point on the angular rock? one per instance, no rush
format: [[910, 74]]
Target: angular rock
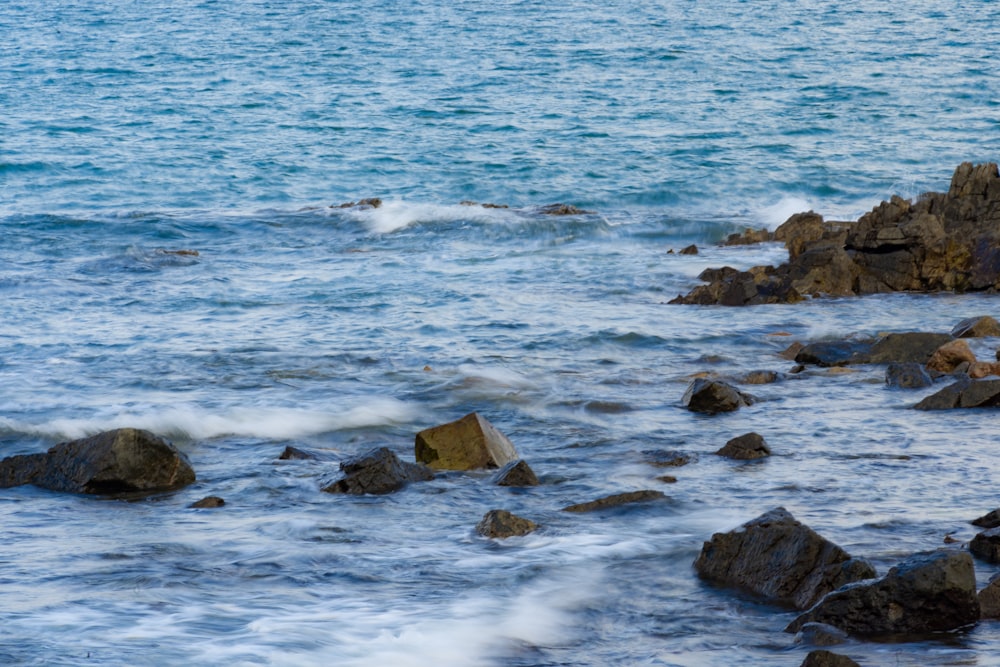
[[907, 376], [616, 500], [950, 356], [989, 599], [689, 250], [714, 396], [746, 447], [926, 593], [469, 443], [823, 658], [378, 471], [502, 524], [779, 559], [517, 473], [976, 327], [988, 520], [986, 545], [799, 231], [759, 377], [964, 393], [122, 461]]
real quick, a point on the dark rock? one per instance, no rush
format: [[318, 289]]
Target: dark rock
[[124, 461], [926, 593], [667, 479], [909, 347], [371, 202], [746, 447], [800, 230], [208, 502], [950, 356], [690, 250], [516, 473], [469, 443], [759, 377], [749, 237], [670, 458], [820, 634], [615, 500], [989, 599], [986, 545], [502, 524], [295, 454], [834, 353], [907, 376], [562, 209], [378, 471], [780, 559], [823, 658], [988, 520], [791, 351], [713, 396], [976, 327], [964, 393]]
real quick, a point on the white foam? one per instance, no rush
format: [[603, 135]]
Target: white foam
[[775, 214], [392, 216]]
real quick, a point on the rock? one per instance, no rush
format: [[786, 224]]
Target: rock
[[989, 599], [714, 396], [988, 520], [561, 209], [122, 461], [779, 559], [295, 454], [976, 327], [469, 443], [616, 500], [791, 351], [907, 376], [964, 393], [926, 593], [981, 369], [371, 202], [759, 377], [749, 236], [820, 634], [827, 354], [823, 658], [378, 471], [208, 502], [746, 447], [908, 347], [800, 230], [949, 356], [669, 458], [986, 545], [516, 473], [502, 524]]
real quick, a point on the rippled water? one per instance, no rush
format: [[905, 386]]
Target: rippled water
[[131, 132]]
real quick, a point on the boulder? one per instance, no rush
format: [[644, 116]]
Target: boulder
[[828, 354], [950, 356], [779, 559], [988, 520], [989, 599], [502, 524], [616, 500], [714, 396], [378, 471], [907, 376], [823, 658], [976, 327], [746, 447], [978, 370], [123, 461], [986, 545], [469, 443], [908, 347], [926, 593], [290, 453], [516, 473], [964, 393]]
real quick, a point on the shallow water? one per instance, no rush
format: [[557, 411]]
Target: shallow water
[[131, 134]]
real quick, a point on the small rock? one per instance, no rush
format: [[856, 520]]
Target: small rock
[[950, 355], [690, 250], [746, 447], [976, 327], [759, 377], [667, 479], [907, 376], [208, 502], [714, 396], [823, 658], [615, 500], [827, 354], [791, 351], [820, 634], [469, 443], [668, 458], [502, 524], [379, 471], [988, 520], [562, 209], [295, 454], [986, 545], [516, 473]]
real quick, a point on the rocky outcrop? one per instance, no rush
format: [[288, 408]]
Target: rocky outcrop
[[965, 393], [714, 396], [745, 447], [894, 348], [780, 559], [941, 242], [123, 461], [518, 473], [379, 471], [469, 443], [989, 520], [926, 593], [502, 524], [616, 500]]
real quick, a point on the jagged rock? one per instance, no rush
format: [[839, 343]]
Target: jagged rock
[[989, 599], [800, 230], [749, 236], [988, 520], [926, 593], [746, 447], [469, 443], [208, 502], [378, 471], [502, 524], [986, 545], [371, 202], [122, 461], [780, 559], [615, 500], [759, 377], [516, 473], [907, 376], [976, 327], [823, 658], [950, 356], [964, 393], [713, 396]]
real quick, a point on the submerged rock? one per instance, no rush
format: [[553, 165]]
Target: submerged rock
[[469, 443], [926, 593], [820, 634], [713, 396], [378, 471], [616, 500], [989, 599], [779, 559], [517, 473], [123, 461], [746, 447], [502, 524], [208, 502]]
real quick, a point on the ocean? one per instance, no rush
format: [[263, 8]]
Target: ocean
[[175, 257]]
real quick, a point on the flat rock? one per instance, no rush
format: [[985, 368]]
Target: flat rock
[[746, 447], [378, 471], [714, 396], [502, 524], [208, 502], [906, 347], [827, 354], [469, 443], [616, 500]]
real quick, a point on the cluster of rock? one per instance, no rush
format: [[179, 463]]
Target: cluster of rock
[[944, 241]]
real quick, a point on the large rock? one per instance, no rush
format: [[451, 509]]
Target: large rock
[[122, 461], [378, 471], [517, 473], [469, 443], [926, 593], [780, 559], [907, 376], [964, 393], [976, 327], [714, 396]]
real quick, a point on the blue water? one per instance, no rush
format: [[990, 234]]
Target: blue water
[[132, 131]]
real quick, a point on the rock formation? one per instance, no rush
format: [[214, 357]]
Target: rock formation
[[378, 471]]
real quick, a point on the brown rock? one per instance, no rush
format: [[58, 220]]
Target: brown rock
[[976, 327], [690, 250], [501, 524], [616, 500], [516, 473], [714, 396], [988, 520], [989, 599], [562, 209], [746, 447], [986, 545], [823, 658], [208, 502], [469, 443], [379, 471], [964, 393], [982, 369], [947, 357]]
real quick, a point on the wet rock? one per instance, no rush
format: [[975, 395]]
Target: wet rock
[[926, 593], [989, 599], [501, 524], [123, 461], [295, 454], [469, 443], [760, 285], [950, 356], [749, 236], [978, 370], [791, 351], [714, 396], [668, 458], [780, 559], [907, 347], [907, 376], [976, 327], [964, 393], [988, 520], [208, 502], [516, 473], [986, 545], [616, 500], [690, 250], [379, 471], [823, 658], [371, 202], [746, 447], [820, 634], [759, 377], [827, 354], [561, 209]]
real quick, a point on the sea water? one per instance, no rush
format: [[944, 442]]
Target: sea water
[[173, 257]]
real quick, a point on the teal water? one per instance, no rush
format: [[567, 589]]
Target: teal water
[[131, 131]]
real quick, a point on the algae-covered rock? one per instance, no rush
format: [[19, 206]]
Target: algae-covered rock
[[469, 443]]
